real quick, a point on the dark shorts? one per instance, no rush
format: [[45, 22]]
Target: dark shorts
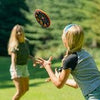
[[94, 95]]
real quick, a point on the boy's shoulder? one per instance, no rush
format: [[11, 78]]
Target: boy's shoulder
[[71, 56]]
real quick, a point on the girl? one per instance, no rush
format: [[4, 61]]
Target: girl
[[77, 62], [19, 52]]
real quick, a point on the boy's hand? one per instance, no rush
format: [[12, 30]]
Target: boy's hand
[[43, 62], [57, 73]]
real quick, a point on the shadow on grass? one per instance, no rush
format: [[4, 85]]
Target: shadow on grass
[[7, 85], [35, 73], [36, 84]]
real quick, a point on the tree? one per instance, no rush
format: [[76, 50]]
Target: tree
[[11, 13], [46, 42], [62, 13]]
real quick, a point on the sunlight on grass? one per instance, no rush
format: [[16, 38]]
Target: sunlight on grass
[[39, 89]]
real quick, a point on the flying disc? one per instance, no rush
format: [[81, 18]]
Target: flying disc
[[42, 18]]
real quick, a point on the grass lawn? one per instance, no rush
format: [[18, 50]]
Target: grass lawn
[[39, 90], [43, 91]]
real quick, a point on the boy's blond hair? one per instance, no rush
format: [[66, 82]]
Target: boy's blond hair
[[74, 38]]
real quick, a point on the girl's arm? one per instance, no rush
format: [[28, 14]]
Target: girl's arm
[[30, 57], [13, 63]]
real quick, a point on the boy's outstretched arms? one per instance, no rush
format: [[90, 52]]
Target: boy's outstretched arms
[[59, 80], [70, 82]]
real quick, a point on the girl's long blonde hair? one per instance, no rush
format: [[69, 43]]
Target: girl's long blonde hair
[[74, 38], [13, 41]]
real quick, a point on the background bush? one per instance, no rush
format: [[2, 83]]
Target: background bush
[[46, 42]]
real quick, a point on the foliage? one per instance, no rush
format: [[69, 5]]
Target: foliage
[[11, 13], [46, 42]]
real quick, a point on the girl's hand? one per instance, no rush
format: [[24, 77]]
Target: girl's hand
[[15, 74], [33, 60], [44, 63]]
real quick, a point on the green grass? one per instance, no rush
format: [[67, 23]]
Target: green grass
[[43, 91], [39, 89]]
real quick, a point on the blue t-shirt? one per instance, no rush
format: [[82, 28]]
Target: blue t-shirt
[[70, 61]]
